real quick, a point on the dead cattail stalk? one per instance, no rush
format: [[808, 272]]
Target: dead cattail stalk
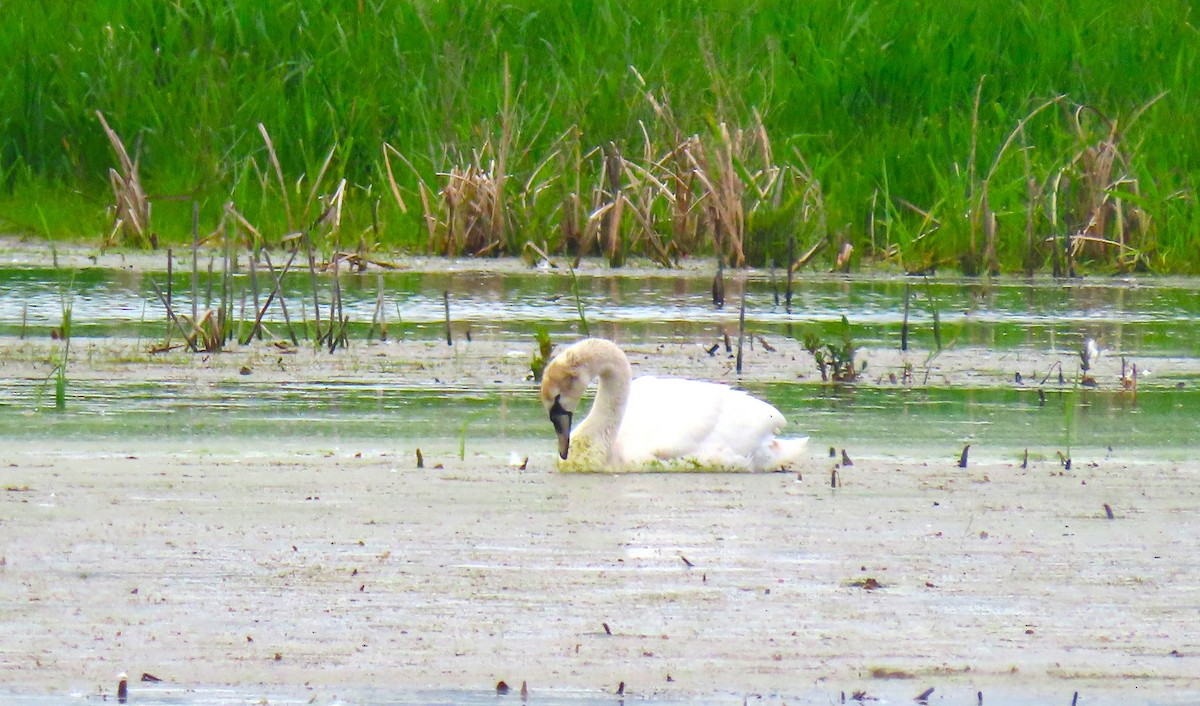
[[611, 225]]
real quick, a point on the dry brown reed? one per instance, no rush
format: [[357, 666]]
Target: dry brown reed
[[673, 195], [131, 207], [1107, 192]]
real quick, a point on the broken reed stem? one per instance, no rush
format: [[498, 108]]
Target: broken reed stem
[[241, 314], [276, 291], [904, 325], [312, 278], [170, 275], [195, 264], [226, 303], [257, 328], [741, 328], [774, 285], [791, 255], [718, 287], [190, 340], [341, 338], [335, 306], [446, 302], [380, 315], [937, 322], [287, 320], [208, 286]]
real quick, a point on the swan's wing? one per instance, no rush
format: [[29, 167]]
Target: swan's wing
[[703, 422]]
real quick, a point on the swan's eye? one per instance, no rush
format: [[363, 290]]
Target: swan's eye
[[560, 417]]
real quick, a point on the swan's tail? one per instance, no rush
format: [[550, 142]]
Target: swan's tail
[[786, 453]]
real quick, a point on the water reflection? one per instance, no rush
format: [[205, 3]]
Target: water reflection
[[1127, 315], [999, 421]]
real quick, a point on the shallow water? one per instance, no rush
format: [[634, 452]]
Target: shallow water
[[885, 695], [1156, 318], [1136, 316], [898, 421]]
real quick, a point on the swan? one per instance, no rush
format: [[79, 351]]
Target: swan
[[657, 424]]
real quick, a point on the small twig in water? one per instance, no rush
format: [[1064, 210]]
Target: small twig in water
[[962, 460], [774, 285], [787, 294], [741, 329], [190, 340], [718, 285]]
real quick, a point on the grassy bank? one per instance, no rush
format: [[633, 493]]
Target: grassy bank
[[1005, 137]]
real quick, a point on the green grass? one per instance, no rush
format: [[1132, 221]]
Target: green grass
[[868, 108]]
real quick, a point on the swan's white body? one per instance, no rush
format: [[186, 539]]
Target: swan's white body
[[658, 424]]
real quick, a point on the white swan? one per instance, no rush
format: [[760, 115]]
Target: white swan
[[657, 424]]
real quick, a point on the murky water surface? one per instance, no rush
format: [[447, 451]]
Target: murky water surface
[[1146, 316], [886, 695], [1158, 318]]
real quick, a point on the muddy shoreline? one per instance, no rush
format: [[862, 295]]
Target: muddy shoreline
[[348, 568]]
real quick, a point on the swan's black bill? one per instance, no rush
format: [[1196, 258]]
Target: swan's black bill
[[561, 419]]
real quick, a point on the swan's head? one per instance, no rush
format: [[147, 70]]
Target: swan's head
[[562, 388]]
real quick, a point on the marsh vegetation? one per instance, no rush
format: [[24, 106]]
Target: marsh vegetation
[[987, 138]]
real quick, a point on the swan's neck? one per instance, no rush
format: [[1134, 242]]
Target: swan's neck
[[593, 439]]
